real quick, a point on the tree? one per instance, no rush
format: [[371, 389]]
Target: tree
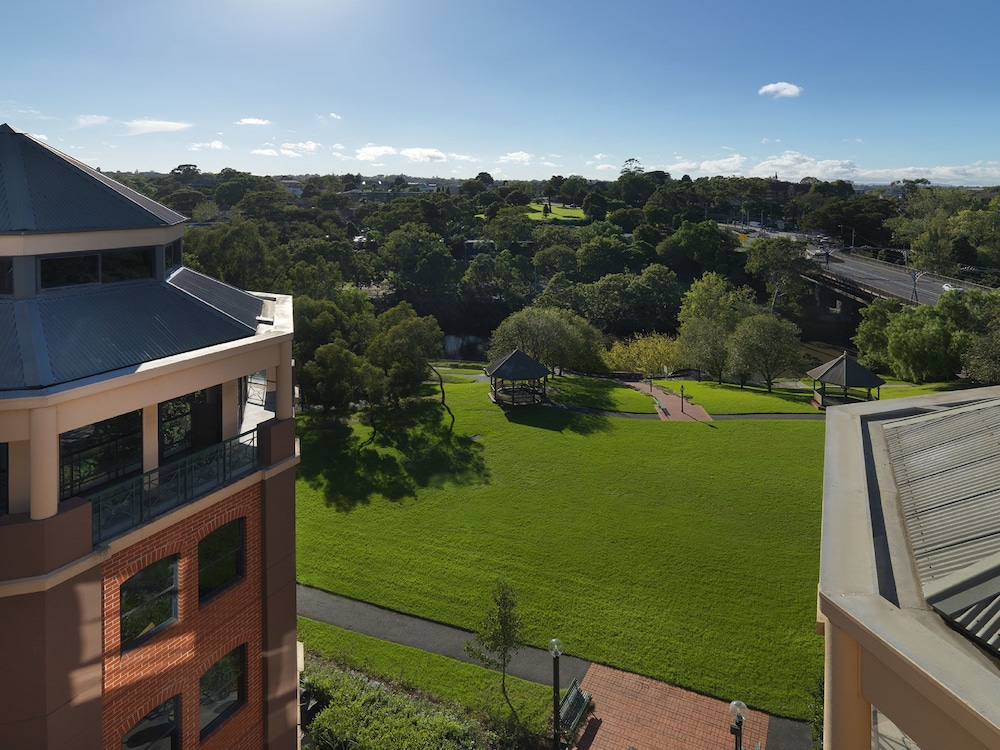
[[337, 376], [871, 338], [498, 637], [766, 346], [402, 348], [921, 345], [780, 263], [603, 255], [699, 247], [557, 338]]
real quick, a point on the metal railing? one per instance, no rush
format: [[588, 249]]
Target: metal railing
[[125, 505]]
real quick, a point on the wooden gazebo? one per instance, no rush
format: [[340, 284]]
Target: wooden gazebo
[[517, 379], [847, 374]]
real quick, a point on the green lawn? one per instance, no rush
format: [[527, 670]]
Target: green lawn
[[728, 398], [446, 679], [598, 393], [684, 551], [536, 213]]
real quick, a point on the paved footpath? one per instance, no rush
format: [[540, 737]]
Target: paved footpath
[[630, 712]]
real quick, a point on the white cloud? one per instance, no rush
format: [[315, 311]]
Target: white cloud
[[519, 157], [253, 121], [210, 146], [306, 147], [462, 157], [549, 164], [85, 121], [373, 153], [780, 90], [143, 127], [337, 146], [335, 116], [602, 157], [606, 167], [423, 154], [264, 152]]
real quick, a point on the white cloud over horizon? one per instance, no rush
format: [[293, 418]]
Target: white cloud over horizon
[[373, 153], [144, 127], [515, 157], [780, 90], [252, 121], [210, 146], [423, 155], [86, 121]]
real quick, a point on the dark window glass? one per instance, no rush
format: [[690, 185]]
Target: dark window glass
[[6, 276], [126, 265], [223, 689], [148, 601], [220, 558], [4, 480], [172, 255], [99, 454], [175, 424], [69, 270], [157, 730]]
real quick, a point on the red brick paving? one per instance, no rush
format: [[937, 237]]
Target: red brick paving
[[636, 712], [668, 406]]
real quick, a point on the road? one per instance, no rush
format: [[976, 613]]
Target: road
[[884, 279]]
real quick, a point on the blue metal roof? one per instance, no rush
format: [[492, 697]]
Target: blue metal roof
[[234, 302], [80, 333], [43, 190]]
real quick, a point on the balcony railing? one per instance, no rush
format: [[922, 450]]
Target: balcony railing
[[132, 502]]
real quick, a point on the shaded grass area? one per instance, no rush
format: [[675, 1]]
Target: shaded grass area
[[536, 213], [598, 393], [729, 398], [901, 389], [446, 679], [683, 551]]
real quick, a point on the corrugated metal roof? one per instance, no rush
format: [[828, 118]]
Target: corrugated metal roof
[[88, 332], [234, 302], [43, 190], [947, 471]]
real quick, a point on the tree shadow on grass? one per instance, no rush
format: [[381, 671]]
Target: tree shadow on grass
[[559, 419], [412, 447]]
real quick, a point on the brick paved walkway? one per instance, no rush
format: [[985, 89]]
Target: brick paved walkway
[[636, 712]]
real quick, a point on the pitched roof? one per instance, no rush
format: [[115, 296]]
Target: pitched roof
[[517, 366], [43, 190], [844, 371], [58, 338]]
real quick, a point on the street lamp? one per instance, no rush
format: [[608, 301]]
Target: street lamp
[[738, 710], [555, 648]]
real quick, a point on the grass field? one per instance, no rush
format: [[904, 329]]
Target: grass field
[[536, 213], [684, 551], [728, 398]]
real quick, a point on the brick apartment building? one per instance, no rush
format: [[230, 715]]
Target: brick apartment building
[[147, 478]]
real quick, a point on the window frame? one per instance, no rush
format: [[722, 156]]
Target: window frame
[[111, 457], [239, 551], [171, 590], [171, 707], [237, 682]]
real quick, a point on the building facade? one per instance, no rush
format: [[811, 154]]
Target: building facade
[[147, 470], [909, 589]]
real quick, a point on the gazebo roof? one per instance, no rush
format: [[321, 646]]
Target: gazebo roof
[[517, 366], [845, 372]]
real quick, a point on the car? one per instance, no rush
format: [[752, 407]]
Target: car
[[952, 288]]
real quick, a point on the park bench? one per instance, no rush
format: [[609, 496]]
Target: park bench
[[573, 707]]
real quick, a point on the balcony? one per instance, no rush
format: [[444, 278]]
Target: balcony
[[125, 505]]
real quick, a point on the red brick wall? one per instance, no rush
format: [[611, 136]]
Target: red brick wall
[[172, 661]]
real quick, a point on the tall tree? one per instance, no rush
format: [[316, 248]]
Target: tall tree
[[780, 263], [766, 346]]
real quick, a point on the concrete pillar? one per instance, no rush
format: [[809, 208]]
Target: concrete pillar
[[847, 716], [230, 409], [44, 457], [283, 407], [150, 437], [19, 479]]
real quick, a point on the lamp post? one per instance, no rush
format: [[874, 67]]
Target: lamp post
[[555, 648], [738, 710], [682, 399]]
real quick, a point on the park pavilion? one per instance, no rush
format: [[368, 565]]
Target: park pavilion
[[517, 379], [847, 374]]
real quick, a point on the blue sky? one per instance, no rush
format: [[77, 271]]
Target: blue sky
[[866, 91]]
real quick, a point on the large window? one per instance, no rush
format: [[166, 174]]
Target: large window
[[223, 689], [105, 267], [148, 602], [191, 422], [6, 276], [220, 558], [157, 730], [99, 454]]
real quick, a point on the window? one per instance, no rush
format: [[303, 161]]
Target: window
[[172, 255], [4, 480], [220, 558], [157, 730], [69, 270], [190, 423], [126, 265], [6, 276], [223, 689], [148, 602], [99, 454]]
